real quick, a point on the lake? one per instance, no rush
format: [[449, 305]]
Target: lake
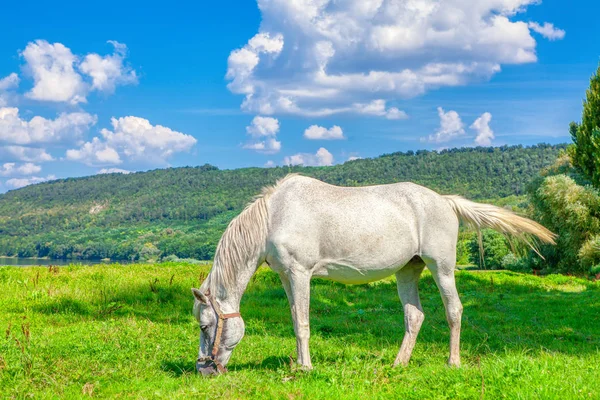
[[26, 262]]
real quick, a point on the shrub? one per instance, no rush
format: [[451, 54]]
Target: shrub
[[513, 263], [573, 212], [495, 247]]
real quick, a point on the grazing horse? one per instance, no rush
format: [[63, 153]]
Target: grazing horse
[[302, 227]]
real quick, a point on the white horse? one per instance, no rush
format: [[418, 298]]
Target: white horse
[[302, 227]]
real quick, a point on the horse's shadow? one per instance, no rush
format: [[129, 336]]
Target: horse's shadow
[[180, 367], [517, 313]]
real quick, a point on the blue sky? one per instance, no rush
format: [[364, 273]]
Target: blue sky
[[393, 76]]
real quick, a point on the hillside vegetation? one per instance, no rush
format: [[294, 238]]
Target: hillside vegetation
[[183, 211]]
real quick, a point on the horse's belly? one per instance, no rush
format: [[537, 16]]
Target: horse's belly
[[350, 274]]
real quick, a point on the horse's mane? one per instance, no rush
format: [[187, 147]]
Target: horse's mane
[[245, 235]]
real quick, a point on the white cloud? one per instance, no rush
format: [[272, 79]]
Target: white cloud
[[267, 146], [12, 169], [321, 158], [109, 71], [316, 132], [394, 113], [66, 127], [450, 128], [269, 164], [53, 72], [7, 83], [136, 139], [54, 69], [378, 108], [21, 182], [320, 57], [352, 158], [485, 134], [263, 132], [95, 153], [241, 62], [26, 154], [263, 126], [547, 30], [113, 171]]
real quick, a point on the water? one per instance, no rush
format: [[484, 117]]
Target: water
[[27, 262]]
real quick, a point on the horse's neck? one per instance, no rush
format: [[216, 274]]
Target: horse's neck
[[230, 294]]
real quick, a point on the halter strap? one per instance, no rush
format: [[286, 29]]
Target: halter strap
[[220, 324]]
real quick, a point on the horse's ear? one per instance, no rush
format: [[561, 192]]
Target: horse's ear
[[199, 295]]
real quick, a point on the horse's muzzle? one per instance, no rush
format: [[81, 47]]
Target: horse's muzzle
[[208, 368]]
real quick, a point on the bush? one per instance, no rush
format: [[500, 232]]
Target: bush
[[573, 212], [495, 247], [513, 263], [149, 252], [174, 259]]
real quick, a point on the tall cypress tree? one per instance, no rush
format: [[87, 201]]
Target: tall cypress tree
[[586, 136]]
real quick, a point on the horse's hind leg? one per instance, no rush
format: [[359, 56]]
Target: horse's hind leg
[[407, 281], [442, 269]]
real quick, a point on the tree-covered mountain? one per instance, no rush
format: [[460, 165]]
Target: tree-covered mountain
[[183, 211]]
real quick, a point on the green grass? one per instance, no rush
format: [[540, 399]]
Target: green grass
[[127, 332]]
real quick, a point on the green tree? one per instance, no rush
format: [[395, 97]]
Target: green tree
[[586, 137]]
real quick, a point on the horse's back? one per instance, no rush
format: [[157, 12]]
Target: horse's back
[[338, 230]]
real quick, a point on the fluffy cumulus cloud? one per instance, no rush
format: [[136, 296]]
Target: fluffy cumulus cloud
[[6, 84], [451, 127], [485, 134], [316, 132], [9, 82], [547, 30], [263, 135], [321, 158], [16, 183], [25, 154], [53, 71], [60, 76], [66, 127], [109, 71], [135, 139], [96, 152], [12, 169], [378, 108], [323, 57]]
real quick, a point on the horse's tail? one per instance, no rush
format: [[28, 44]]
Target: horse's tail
[[502, 220]]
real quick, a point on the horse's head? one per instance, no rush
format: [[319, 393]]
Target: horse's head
[[219, 334]]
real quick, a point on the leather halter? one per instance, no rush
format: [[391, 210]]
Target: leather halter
[[217, 343]]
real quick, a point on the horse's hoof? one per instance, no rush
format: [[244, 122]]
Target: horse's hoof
[[304, 368], [454, 363]]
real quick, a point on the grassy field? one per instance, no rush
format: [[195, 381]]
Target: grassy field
[[127, 332]]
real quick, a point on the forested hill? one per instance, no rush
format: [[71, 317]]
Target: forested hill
[[183, 211]]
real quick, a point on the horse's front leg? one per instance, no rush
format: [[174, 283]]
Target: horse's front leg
[[297, 288]]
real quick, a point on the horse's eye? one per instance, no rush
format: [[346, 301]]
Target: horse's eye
[[203, 327]]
